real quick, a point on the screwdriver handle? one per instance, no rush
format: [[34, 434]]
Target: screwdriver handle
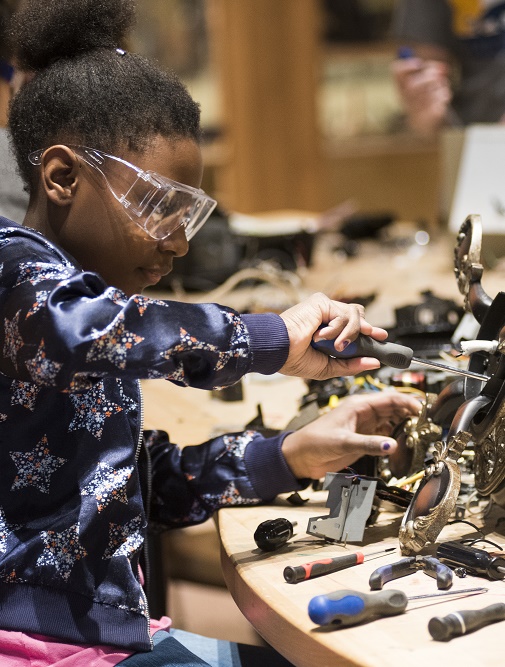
[[318, 567], [462, 622], [476, 561], [389, 354], [348, 607], [273, 533]]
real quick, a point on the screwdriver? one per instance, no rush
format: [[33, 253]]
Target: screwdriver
[[327, 565], [346, 607], [476, 562], [462, 622], [389, 354], [273, 533]]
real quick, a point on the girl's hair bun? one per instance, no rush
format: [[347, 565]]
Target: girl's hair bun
[[45, 31]]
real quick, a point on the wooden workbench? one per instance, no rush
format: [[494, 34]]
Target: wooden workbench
[[278, 610]]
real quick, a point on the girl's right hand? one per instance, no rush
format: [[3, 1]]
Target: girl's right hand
[[342, 323]]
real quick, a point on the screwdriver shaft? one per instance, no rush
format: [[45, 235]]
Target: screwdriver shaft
[[452, 369], [463, 591]]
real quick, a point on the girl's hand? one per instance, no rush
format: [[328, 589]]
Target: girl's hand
[[359, 425], [343, 322]]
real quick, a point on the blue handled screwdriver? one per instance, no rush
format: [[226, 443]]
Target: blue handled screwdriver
[[346, 607], [389, 354]]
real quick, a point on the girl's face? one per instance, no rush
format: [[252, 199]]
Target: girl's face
[[101, 236]]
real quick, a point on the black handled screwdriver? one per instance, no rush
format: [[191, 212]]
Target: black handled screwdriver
[[462, 622], [476, 562], [389, 354], [316, 568]]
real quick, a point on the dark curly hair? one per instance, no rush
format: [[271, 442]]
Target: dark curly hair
[[6, 10], [87, 91]]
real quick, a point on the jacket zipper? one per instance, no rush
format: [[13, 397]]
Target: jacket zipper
[[137, 453]]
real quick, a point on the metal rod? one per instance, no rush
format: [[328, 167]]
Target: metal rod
[[464, 591], [452, 369]]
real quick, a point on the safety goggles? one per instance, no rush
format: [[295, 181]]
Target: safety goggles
[[156, 204]]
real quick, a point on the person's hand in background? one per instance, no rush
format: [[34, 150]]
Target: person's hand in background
[[425, 89]]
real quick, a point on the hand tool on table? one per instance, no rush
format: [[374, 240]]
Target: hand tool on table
[[389, 354], [462, 622], [402, 568], [347, 607], [475, 561], [294, 574], [274, 533]]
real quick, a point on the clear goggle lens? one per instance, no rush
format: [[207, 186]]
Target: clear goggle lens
[[157, 204]]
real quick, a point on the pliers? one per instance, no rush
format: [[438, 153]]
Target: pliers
[[431, 566]]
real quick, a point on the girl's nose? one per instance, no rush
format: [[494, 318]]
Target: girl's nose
[[176, 242]]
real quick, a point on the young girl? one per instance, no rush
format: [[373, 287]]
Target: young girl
[[108, 147]]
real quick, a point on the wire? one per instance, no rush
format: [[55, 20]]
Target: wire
[[468, 523], [472, 542]]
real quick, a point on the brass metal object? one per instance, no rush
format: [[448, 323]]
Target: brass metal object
[[467, 256], [420, 433], [489, 463], [435, 498]]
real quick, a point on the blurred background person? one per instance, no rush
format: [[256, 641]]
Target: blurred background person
[[451, 65]]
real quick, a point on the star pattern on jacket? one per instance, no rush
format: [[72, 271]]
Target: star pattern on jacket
[[187, 343], [13, 341], [236, 444], [128, 404], [239, 344], [37, 272], [115, 295], [91, 410], [62, 550], [108, 484], [5, 530], [230, 496], [42, 370], [115, 344], [40, 301], [124, 540], [35, 467], [143, 302], [24, 394]]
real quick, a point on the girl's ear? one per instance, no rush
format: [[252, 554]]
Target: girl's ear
[[60, 174]]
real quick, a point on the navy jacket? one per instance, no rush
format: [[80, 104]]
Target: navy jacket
[[72, 515]]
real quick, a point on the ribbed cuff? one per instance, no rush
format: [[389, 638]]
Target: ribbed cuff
[[269, 342], [268, 471]]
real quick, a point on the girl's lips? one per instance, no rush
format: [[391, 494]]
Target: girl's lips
[[153, 276]]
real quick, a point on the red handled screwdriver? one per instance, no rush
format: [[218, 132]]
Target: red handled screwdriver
[[327, 565]]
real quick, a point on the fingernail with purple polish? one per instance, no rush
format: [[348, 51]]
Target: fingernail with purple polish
[[386, 446], [345, 343]]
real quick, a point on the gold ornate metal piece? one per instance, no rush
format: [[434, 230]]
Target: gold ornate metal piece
[[435, 499], [418, 434], [489, 463], [467, 256]]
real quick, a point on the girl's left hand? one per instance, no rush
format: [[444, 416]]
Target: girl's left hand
[[359, 425]]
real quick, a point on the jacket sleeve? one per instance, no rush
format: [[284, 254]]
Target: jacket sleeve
[[65, 328], [190, 484]]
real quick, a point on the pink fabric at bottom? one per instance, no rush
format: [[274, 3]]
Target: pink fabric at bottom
[[22, 650]]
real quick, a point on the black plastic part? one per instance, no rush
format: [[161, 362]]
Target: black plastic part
[[477, 562], [273, 534], [463, 622]]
